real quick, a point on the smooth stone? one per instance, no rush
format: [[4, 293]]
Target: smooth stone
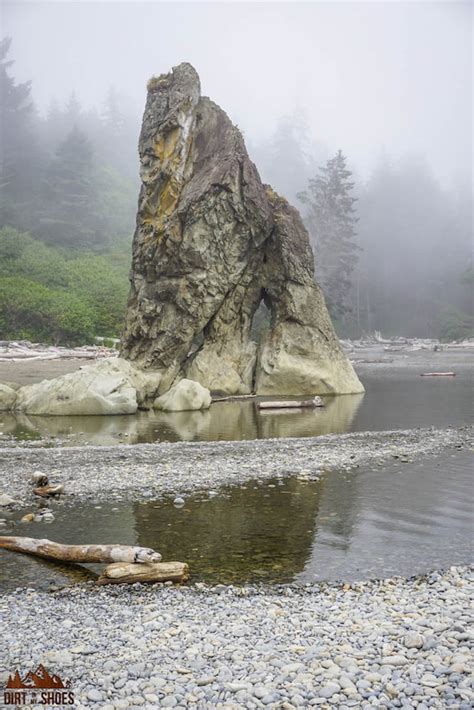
[[329, 690], [185, 395], [95, 695], [6, 500], [394, 660], [413, 640]]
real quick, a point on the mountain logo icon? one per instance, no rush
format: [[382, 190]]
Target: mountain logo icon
[[40, 678]]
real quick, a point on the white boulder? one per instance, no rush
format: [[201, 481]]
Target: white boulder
[[184, 396], [87, 391], [7, 397], [111, 386]]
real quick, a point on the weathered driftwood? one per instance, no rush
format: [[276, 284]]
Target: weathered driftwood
[[438, 374], [49, 491], [292, 404], [121, 573], [233, 398], [79, 553]]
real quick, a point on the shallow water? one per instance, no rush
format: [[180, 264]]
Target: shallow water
[[400, 519], [397, 398]]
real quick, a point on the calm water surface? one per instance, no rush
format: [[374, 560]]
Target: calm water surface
[[394, 399], [401, 519]]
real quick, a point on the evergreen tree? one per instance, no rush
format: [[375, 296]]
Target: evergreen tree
[[331, 222], [73, 111], [285, 159], [72, 211], [20, 158]]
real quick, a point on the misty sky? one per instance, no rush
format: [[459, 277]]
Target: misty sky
[[371, 77]]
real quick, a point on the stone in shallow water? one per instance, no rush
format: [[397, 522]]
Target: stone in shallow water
[[111, 386], [7, 397], [212, 243], [186, 395]]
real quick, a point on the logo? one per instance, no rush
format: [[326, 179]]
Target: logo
[[37, 688]]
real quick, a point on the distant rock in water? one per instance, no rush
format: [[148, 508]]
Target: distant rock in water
[[212, 242]]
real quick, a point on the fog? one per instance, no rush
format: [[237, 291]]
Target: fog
[[369, 78], [389, 84]]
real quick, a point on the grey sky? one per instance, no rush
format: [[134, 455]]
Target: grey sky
[[371, 77]]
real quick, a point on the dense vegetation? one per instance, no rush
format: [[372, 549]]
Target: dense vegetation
[[58, 295], [67, 209], [393, 254]]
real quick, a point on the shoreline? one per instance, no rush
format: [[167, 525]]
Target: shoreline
[[385, 643], [142, 471]]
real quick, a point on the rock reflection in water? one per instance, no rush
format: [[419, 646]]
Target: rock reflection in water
[[224, 421], [251, 533], [400, 519]]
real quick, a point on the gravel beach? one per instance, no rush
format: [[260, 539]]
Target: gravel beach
[[394, 643], [153, 470], [388, 644]]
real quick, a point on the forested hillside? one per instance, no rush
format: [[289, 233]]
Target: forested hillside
[[67, 210], [393, 252]]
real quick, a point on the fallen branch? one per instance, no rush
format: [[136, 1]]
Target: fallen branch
[[437, 374], [79, 553], [120, 573], [234, 398], [292, 404], [49, 491]]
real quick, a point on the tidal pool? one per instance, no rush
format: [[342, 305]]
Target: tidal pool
[[400, 519]]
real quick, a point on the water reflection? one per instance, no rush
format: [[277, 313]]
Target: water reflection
[[253, 532], [403, 519], [336, 418], [224, 421]]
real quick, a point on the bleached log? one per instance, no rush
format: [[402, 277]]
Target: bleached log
[[49, 491], [234, 398], [121, 573], [79, 553], [292, 403], [438, 374]]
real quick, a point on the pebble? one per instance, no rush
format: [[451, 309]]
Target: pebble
[[95, 695], [394, 660], [413, 640], [143, 471], [215, 647], [328, 690]]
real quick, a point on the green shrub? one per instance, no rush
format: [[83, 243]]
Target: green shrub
[[32, 311], [58, 295]]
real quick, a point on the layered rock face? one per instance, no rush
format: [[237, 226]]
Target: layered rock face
[[211, 243]]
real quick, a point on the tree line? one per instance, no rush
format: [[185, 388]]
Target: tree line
[[392, 253], [68, 178]]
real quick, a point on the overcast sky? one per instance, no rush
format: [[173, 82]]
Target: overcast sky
[[370, 76]]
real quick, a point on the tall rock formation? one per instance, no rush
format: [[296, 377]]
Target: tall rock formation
[[211, 243]]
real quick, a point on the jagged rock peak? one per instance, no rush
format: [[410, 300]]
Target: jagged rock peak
[[211, 243]]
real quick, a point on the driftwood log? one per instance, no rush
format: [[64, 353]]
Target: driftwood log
[[438, 374], [49, 491], [79, 553], [292, 404], [122, 573]]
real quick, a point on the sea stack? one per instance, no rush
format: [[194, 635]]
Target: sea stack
[[211, 243]]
